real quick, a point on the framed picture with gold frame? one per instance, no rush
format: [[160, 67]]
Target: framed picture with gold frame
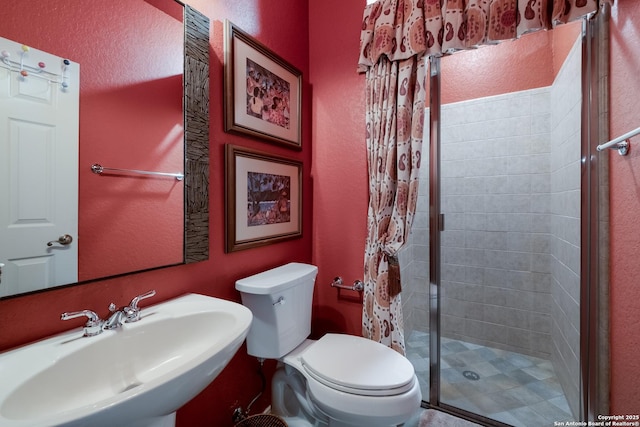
[[263, 92], [263, 198]]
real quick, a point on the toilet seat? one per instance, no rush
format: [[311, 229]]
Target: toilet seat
[[354, 406], [358, 366]]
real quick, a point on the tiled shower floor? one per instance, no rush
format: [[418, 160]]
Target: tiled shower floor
[[513, 388]]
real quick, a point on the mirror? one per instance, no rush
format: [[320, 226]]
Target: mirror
[[143, 59]]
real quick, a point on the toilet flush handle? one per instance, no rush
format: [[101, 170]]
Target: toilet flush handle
[[280, 301]]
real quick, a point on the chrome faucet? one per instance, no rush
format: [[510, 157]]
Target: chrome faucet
[[128, 314], [116, 319], [95, 325]]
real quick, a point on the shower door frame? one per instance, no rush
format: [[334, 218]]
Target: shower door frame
[[593, 262]]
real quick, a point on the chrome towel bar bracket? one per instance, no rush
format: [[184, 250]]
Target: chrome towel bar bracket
[[338, 283], [621, 143], [99, 169], [622, 147]]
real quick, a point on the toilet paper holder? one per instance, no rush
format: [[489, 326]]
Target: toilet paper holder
[[358, 285]]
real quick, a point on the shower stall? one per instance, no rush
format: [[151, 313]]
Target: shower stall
[[500, 274]]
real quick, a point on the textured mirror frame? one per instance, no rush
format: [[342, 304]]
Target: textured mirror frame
[[196, 124]]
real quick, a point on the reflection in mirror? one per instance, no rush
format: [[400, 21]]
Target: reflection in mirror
[[131, 118], [39, 102], [131, 56]]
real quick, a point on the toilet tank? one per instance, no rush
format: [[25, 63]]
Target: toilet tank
[[280, 300]]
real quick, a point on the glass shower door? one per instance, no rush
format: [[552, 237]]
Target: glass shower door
[[509, 265]]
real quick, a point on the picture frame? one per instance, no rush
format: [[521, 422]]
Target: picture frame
[[263, 198], [263, 92]]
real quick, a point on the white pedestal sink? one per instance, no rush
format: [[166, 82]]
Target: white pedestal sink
[[137, 375]]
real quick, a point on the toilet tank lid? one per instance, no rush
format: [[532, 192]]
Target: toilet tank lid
[[277, 279]]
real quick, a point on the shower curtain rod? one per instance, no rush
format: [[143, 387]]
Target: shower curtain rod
[[621, 143]]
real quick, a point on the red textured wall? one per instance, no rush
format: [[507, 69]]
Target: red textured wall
[[564, 37], [468, 74], [625, 205], [514, 66], [339, 160], [282, 27]]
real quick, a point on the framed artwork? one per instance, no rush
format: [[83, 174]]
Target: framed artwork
[[262, 93], [263, 198]]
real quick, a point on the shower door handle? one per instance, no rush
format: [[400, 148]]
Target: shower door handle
[[441, 222]]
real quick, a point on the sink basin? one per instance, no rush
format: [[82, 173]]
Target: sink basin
[[136, 375]]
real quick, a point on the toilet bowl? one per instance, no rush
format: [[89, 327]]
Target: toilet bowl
[[338, 380], [350, 381]]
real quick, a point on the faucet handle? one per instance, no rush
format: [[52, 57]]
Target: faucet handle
[[134, 302], [94, 323], [132, 312]]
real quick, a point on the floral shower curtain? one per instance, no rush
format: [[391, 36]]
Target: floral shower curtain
[[396, 36], [395, 98], [395, 116]]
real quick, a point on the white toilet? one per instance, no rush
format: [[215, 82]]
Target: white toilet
[[338, 380]]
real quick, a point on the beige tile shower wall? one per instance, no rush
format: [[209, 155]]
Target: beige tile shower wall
[[566, 99], [496, 272]]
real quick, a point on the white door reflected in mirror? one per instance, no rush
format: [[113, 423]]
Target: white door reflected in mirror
[[39, 116]]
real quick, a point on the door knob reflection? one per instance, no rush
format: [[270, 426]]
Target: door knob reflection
[[63, 240]]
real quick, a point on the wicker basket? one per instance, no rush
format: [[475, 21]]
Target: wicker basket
[[262, 420]]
